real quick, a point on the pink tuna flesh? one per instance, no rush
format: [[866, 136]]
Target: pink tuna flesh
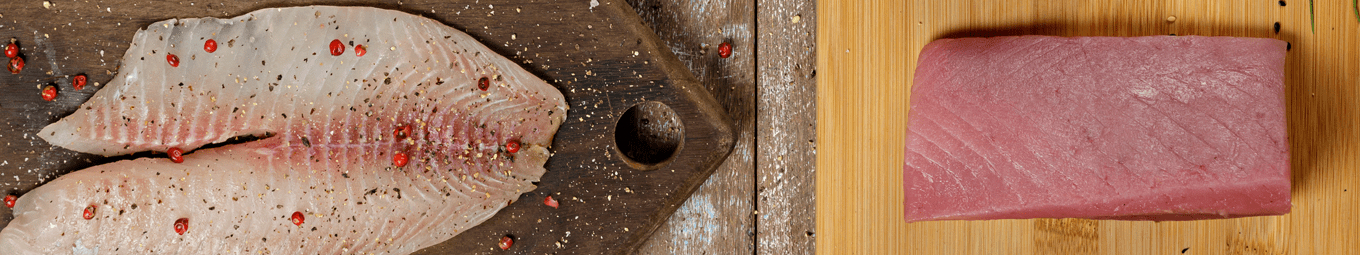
[[1144, 128]]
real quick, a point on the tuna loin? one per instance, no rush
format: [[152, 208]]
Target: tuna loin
[[1145, 128], [332, 123]]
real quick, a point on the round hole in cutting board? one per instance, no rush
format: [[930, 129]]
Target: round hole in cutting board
[[648, 135]]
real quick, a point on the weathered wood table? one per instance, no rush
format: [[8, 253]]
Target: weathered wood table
[[761, 199]]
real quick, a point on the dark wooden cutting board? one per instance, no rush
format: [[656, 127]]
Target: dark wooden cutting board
[[613, 171]]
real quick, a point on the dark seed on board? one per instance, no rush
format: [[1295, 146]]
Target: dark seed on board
[[1277, 27]]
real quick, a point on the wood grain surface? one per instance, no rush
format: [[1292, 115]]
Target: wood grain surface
[[760, 199], [868, 54], [599, 53], [786, 126], [717, 218]]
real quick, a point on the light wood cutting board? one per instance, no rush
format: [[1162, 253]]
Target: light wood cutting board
[[868, 54]]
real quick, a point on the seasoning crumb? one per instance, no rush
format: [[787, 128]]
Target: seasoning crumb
[[1171, 18], [797, 18], [47, 5]]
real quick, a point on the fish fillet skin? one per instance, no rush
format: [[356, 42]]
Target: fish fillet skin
[[330, 158], [1144, 128]]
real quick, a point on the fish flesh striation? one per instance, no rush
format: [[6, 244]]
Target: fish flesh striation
[[238, 90], [1143, 128], [239, 199], [330, 124]]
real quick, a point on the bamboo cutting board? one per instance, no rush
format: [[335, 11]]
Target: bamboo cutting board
[[868, 57]]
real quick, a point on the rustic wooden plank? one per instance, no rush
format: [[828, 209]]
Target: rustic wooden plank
[[867, 64], [718, 218], [786, 127], [598, 53]]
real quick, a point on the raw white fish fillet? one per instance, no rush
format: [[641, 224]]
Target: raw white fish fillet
[[273, 72], [1141, 128], [331, 146]]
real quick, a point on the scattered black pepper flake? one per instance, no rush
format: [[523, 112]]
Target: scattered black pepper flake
[[1188, 248], [1288, 46], [1277, 27], [1282, 3]]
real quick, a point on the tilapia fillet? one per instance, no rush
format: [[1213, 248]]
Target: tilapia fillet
[[1143, 128], [331, 122]]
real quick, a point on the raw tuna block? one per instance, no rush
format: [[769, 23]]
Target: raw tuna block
[[1145, 128]]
